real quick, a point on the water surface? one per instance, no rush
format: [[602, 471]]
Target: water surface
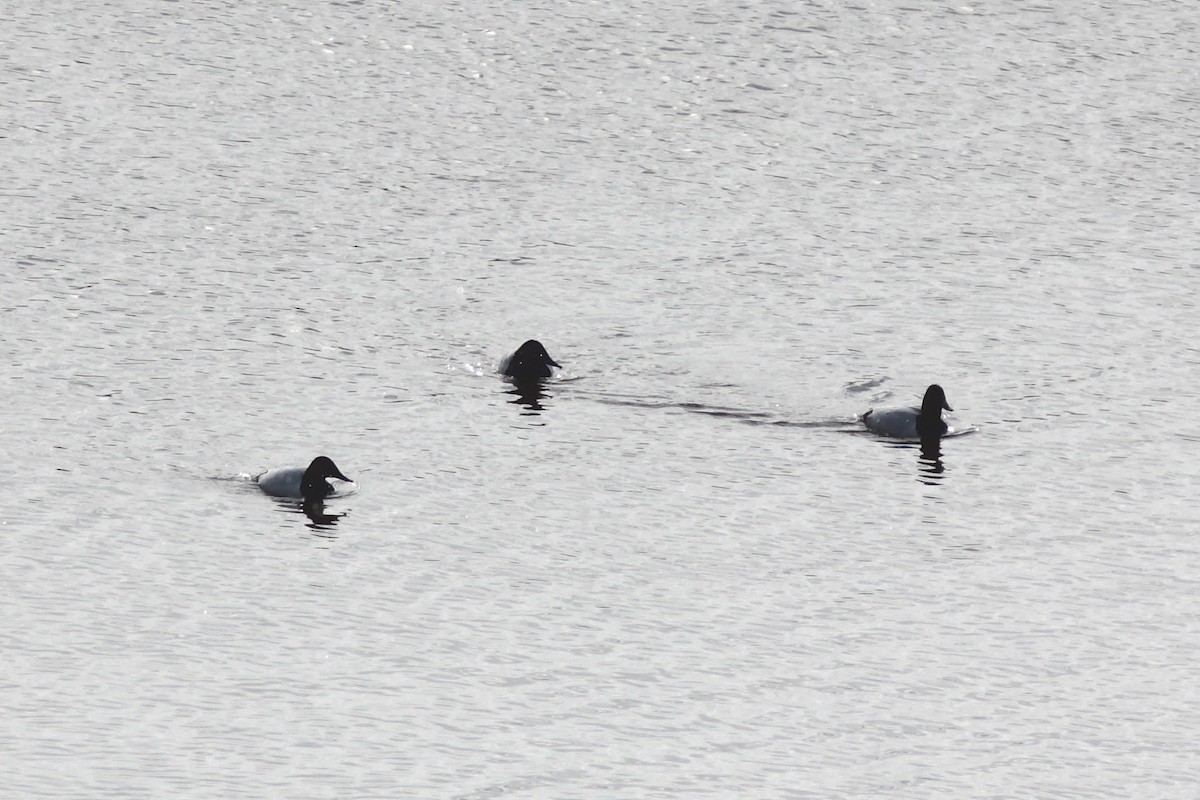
[[240, 236]]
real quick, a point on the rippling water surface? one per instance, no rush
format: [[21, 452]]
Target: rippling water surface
[[241, 235]]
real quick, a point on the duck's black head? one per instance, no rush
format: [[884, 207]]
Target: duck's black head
[[530, 362], [935, 401], [929, 421], [313, 483]]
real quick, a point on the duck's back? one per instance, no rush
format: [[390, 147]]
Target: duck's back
[[283, 482], [900, 423]]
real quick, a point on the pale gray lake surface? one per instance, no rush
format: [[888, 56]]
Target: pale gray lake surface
[[238, 235]]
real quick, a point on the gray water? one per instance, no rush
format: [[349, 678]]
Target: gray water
[[238, 235]]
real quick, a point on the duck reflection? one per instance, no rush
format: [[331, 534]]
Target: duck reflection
[[930, 469], [529, 395], [320, 521]]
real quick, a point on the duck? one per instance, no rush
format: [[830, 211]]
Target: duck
[[912, 423], [528, 363], [308, 482]]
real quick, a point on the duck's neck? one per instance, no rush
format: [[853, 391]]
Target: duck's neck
[[313, 487], [929, 421]]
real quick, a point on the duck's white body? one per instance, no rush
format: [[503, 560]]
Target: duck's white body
[[899, 423], [308, 482], [282, 482]]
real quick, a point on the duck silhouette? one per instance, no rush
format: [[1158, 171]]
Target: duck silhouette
[[911, 423], [308, 482], [528, 363]]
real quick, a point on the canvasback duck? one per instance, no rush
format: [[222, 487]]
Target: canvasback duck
[[308, 482], [911, 423], [530, 362]]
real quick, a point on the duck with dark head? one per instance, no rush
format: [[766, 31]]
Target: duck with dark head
[[911, 423], [529, 363], [307, 483]]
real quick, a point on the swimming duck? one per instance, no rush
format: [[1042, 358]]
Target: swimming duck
[[307, 483], [530, 362], [911, 423]]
